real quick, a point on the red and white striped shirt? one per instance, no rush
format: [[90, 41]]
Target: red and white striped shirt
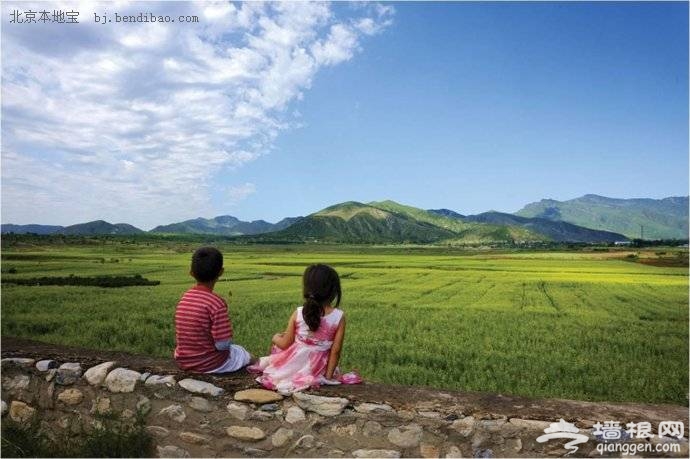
[[201, 319]]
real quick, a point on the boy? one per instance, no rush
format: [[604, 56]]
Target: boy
[[203, 331]]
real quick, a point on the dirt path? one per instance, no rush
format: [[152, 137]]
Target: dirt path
[[448, 403]]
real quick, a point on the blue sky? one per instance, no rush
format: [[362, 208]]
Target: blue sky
[[268, 111]]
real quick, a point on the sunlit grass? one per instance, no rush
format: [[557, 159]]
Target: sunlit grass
[[575, 325]]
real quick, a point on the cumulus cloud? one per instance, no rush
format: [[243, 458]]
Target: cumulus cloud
[[132, 122]]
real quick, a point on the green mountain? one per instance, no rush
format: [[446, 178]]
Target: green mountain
[[354, 222], [390, 222], [660, 218], [555, 230], [225, 225], [100, 227], [465, 231], [33, 229]]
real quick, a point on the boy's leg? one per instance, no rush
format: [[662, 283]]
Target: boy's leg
[[237, 359]]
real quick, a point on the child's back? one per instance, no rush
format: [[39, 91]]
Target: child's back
[[203, 331], [201, 319], [307, 353]]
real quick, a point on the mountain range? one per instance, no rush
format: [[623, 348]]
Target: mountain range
[[635, 218], [590, 218]]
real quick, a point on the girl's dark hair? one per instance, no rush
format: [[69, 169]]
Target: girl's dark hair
[[320, 286]]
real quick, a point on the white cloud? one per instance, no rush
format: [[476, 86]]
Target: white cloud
[[132, 122], [239, 193]]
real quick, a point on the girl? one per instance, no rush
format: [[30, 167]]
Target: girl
[[307, 353]]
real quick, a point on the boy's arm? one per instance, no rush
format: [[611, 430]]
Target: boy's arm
[[285, 339], [334, 355], [221, 328]]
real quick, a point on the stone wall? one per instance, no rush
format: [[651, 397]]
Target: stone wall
[[190, 417]]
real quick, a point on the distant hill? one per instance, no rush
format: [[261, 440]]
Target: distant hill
[[34, 229], [354, 222], [662, 218], [224, 225], [446, 213], [100, 227], [390, 222], [556, 230], [465, 231]]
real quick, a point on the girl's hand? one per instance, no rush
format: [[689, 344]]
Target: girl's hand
[[277, 338]]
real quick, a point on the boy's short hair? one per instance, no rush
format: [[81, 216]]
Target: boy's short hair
[[206, 264]]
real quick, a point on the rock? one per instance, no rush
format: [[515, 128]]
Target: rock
[[127, 414], [238, 410], [174, 412], [45, 396], [122, 380], [335, 453], [375, 453], [68, 373], [16, 362], [200, 404], [325, 406], [144, 376], [429, 451], [245, 433], [513, 445], [281, 436], [96, 374], [258, 396], [101, 406], [484, 453], [200, 387], [295, 414], [157, 431], [271, 407], [261, 416], [171, 451], [371, 428], [71, 396], [407, 436], [305, 441], [530, 424], [21, 412], [193, 438], [464, 426], [3, 407], [350, 430], [454, 453], [254, 452], [157, 380], [430, 414], [45, 365], [373, 408], [18, 382], [406, 414], [491, 425], [143, 405], [50, 374]]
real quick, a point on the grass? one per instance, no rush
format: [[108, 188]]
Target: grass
[[111, 438], [581, 325]]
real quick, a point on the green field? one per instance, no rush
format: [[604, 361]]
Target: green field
[[581, 325]]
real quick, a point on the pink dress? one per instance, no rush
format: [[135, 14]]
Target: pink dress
[[303, 364]]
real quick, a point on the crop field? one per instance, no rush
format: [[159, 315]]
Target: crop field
[[580, 325]]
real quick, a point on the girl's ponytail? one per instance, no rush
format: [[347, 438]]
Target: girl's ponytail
[[320, 286], [312, 312]]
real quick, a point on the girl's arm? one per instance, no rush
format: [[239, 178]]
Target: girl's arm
[[285, 339], [334, 356]]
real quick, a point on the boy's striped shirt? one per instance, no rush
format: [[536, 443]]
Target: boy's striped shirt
[[201, 319]]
